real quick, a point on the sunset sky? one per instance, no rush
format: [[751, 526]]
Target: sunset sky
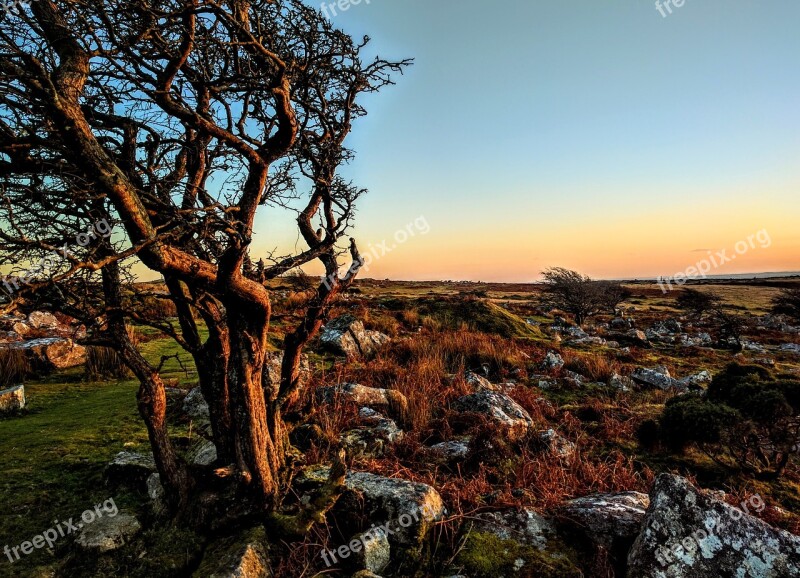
[[598, 136]]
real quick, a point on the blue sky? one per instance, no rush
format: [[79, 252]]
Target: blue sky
[[594, 135]]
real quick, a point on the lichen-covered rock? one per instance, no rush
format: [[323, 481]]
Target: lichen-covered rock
[[556, 445], [392, 400], [271, 378], [513, 543], [621, 382], [499, 408], [689, 534], [477, 383], [241, 556], [610, 520], [346, 336], [525, 526], [203, 454], [195, 405], [658, 377], [108, 533], [638, 337], [50, 353], [371, 440], [791, 348], [12, 399], [552, 361], [410, 509], [374, 553], [130, 469], [696, 381], [451, 450], [42, 320]]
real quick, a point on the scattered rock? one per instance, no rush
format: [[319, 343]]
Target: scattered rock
[[553, 361], [20, 328], [524, 526], [621, 382], [12, 399], [791, 348], [108, 533], [203, 454], [575, 332], [50, 353], [590, 340], [271, 378], [610, 520], [499, 408], [410, 508], [241, 556], [697, 381], [513, 543], [451, 450], [621, 324], [42, 320], [195, 406], [658, 377], [555, 444], [346, 336], [371, 441], [638, 337], [689, 534], [477, 383], [753, 346], [362, 395], [130, 469], [574, 379], [373, 554]]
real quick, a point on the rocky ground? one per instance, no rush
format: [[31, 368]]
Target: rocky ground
[[485, 436]]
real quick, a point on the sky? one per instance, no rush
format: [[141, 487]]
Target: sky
[[595, 135]]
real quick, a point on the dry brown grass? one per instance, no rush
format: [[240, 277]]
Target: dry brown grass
[[14, 367]]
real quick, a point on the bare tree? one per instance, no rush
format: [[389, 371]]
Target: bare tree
[[611, 294], [787, 302], [175, 122], [572, 292], [696, 302]]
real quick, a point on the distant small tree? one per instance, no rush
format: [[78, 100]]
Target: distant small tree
[[731, 326], [787, 302], [572, 292], [696, 302], [611, 294]]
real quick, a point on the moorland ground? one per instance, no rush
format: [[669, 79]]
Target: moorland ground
[[53, 455]]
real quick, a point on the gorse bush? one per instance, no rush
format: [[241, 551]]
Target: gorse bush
[[748, 417]]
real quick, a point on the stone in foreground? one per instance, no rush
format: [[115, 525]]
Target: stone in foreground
[[108, 533], [130, 469], [12, 399], [241, 556], [688, 534], [612, 521]]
